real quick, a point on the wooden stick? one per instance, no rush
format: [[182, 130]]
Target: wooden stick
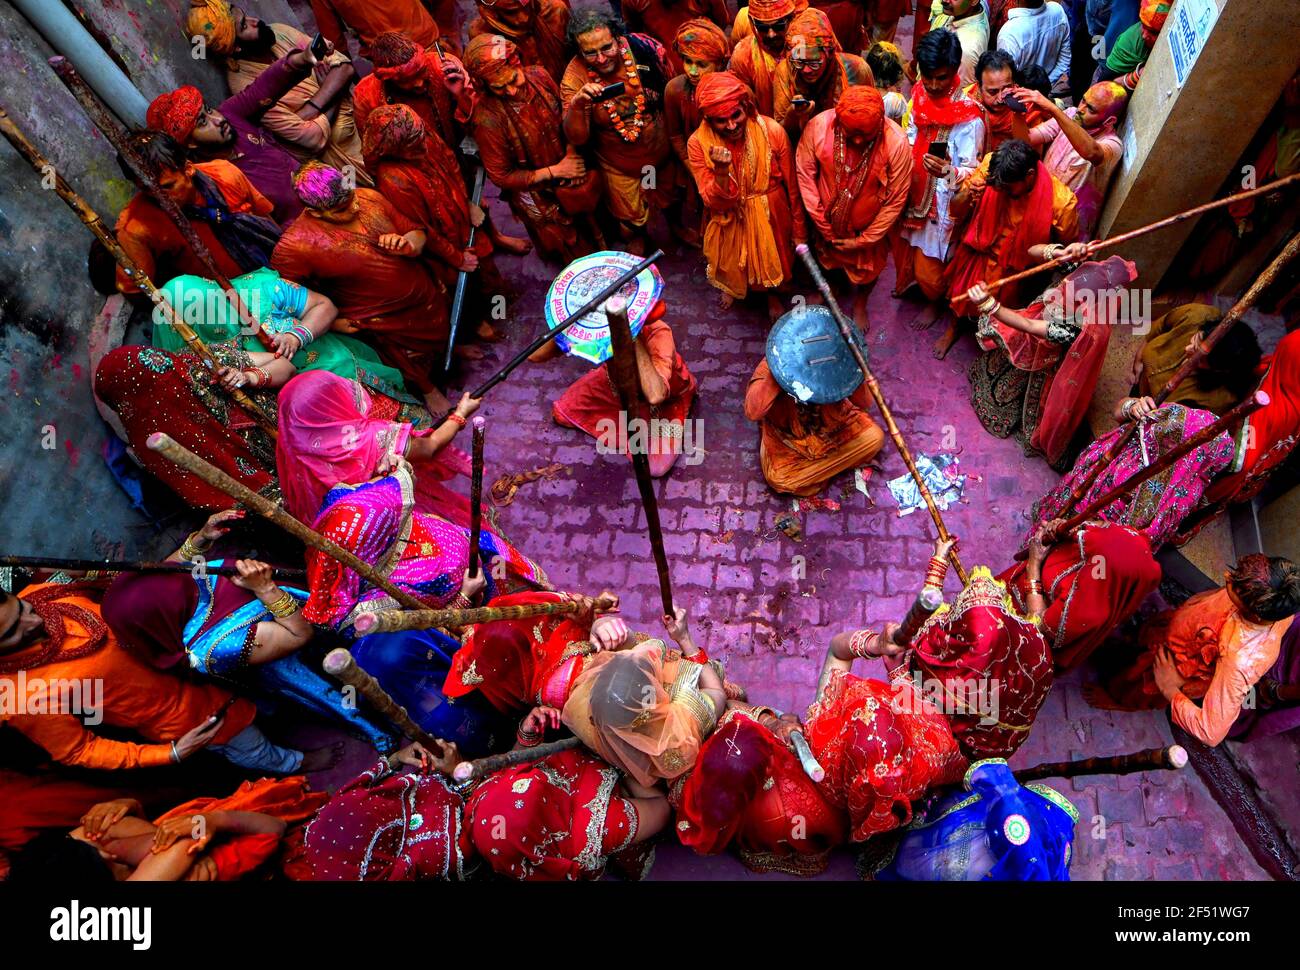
[[926, 602], [137, 566], [476, 493], [462, 278], [341, 665], [882, 405], [91, 220], [1152, 759], [476, 770], [390, 621], [1230, 420], [623, 370], [811, 766], [1248, 299], [117, 137], [1099, 244], [264, 507], [574, 317]]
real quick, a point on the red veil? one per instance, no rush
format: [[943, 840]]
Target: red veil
[[749, 790]]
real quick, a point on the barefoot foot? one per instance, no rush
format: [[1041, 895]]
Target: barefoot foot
[[925, 319], [511, 245], [945, 342], [488, 333], [436, 401], [466, 352]]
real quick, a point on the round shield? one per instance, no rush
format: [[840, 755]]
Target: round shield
[[583, 279], [808, 358]]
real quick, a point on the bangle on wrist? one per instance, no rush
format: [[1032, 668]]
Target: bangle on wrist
[[313, 104], [193, 547], [456, 419], [284, 605], [176, 754]]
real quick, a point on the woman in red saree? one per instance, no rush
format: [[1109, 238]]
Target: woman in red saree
[[1085, 602], [748, 790], [883, 746], [1040, 365]]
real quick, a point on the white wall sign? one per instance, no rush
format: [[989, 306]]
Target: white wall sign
[[1189, 27]]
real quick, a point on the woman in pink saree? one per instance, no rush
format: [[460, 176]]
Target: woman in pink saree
[[332, 430]]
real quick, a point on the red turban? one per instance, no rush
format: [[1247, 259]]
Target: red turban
[[769, 10], [861, 109], [702, 40], [719, 94], [176, 112], [812, 28], [491, 57]]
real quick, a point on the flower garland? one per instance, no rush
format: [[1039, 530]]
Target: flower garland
[[629, 132]]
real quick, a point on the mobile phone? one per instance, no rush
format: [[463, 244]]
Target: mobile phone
[[1014, 103], [799, 99], [939, 149], [611, 91], [224, 707], [319, 47]]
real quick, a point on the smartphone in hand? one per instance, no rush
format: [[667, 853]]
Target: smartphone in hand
[[319, 47], [939, 149], [611, 91], [1014, 103]]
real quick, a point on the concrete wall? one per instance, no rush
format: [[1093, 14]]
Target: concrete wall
[[61, 500]]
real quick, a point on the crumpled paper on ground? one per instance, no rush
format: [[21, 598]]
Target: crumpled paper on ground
[[941, 477]]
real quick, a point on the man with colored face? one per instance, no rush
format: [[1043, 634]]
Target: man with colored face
[[994, 81], [815, 72], [225, 210], [536, 28], [854, 168], [757, 55], [1083, 147], [234, 132], [314, 119], [744, 167], [625, 128], [702, 48]]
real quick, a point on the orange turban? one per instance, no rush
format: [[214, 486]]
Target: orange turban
[[812, 29], [1153, 14], [769, 10], [490, 57], [213, 21], [861, 109], [702, 40], [176, 112], [719, 94]]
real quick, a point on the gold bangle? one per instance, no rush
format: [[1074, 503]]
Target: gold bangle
[[284, 606], [190, 549]]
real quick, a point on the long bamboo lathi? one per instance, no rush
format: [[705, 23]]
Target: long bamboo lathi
[[623, 370], [476, 494], [137, 566], [1226, 423], [117, 137], [568, 321], [192, 463], [1248, 299], [91, 220], [1170, 758], [476, 770], [390, 621], [1099, 244], [341, 665], [873, 387]]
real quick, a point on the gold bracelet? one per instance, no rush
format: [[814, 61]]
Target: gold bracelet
[[284, 606], [190, 549]]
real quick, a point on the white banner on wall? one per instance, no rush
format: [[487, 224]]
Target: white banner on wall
[[1189, 27]]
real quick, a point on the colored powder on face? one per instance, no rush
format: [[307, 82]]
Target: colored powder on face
[[321, 187]]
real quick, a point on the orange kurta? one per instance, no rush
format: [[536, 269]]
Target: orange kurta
[[824, 95], [805, 446], [370, 18], [966, 263], [742, 217], [156, 705], [874, 210], [157, 247]]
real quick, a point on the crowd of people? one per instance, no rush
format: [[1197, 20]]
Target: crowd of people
[[337, 195]]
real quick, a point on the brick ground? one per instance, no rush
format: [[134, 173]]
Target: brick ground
[[863, 563]]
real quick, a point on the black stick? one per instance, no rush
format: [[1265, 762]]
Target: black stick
[[135, 566]]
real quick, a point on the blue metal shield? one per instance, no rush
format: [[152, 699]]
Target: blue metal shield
[[809, 359]]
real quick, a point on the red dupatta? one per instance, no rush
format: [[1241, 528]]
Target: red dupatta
[[933, 117]]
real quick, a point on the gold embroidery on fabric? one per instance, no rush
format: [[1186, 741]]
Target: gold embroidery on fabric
[[591, 857], [470, 676]]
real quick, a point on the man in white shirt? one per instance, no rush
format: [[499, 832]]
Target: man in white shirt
[[1038, 32], [970, 22]]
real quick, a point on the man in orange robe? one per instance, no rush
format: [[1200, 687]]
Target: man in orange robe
[[759, 50], [370, 18], [1016, 210], [815, 72], [702, 47], [804, 446], [854, 167], [537, 28], [744, 168]]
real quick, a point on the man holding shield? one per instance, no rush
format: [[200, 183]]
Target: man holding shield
[[808, 396], [591, 403]]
